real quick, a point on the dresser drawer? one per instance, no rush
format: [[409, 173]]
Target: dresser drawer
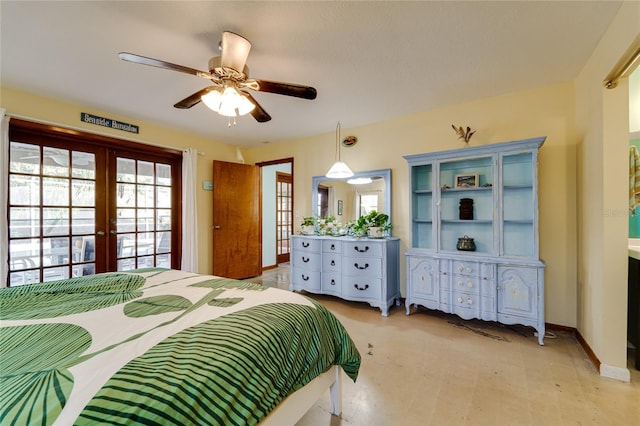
[[307, 244], [305, 260], [331, 246], [463, 267], [362, 266], [362, 248], [364, 288], [331, 283], [331, 262], [304, 279]]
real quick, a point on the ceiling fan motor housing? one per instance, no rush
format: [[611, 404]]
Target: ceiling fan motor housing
[[216, 68]]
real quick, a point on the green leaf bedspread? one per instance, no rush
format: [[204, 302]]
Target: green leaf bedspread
[[160, 347]]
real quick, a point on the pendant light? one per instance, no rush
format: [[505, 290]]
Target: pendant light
[[339, 170]]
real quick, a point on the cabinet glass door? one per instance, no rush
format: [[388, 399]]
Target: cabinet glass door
[[518, 212], [422, 201], [467, 184]]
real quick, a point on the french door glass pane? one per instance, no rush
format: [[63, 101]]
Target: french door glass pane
[[55, 162]]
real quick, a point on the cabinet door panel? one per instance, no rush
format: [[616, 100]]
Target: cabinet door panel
[[424, 275], [517, 293]]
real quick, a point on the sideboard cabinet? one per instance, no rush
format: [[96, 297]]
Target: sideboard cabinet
[[474, 233], [356, 269]]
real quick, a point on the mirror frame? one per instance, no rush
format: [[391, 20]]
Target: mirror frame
[[384, 173]]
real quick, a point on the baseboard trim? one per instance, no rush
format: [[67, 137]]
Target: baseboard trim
[[587, 349], [266, 268]]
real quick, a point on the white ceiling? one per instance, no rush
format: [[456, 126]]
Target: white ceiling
[[369, 61]]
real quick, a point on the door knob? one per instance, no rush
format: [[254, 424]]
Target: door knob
[[216, 227], [112, 232]]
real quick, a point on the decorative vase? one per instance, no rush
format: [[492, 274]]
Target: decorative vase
[[308, 230]]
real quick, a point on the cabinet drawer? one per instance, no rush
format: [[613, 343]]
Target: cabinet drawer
[[466, 284], [307, 244], [331, 262], [473, 302], [361, 288], [329, 246], [331, 283], [362, 248], [307, 280], [305, 260], [362, 266], [463, 267]]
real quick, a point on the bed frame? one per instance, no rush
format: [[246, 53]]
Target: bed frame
[[294, 407]]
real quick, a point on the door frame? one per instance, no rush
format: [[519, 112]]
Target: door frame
[[287, 160]]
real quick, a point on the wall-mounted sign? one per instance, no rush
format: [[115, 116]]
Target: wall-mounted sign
[[107, 122]]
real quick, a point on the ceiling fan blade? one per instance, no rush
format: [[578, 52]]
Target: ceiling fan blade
[[194, 99], [288, 89], [132, 57], [235, 51], [258, 112]]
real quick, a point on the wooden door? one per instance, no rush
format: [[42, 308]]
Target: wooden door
[[237, 250]]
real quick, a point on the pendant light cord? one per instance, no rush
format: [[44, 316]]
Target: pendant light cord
[[338, 141]]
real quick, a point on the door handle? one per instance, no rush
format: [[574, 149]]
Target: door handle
[[216, 227], [100, 233], [112, 232]]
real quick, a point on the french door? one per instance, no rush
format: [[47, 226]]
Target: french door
[[81, 204], [284, 215]]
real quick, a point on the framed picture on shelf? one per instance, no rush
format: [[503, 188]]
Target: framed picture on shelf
[[468, 180]]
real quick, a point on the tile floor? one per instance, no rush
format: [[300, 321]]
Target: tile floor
[[431, 368]]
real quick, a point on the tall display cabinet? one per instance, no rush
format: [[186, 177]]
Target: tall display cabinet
[[474, 237]]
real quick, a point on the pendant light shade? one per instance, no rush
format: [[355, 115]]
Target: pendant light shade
[[339, 170]]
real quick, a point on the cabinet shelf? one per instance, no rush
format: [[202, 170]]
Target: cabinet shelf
[[482, 188], [522, 186], [423, 192], [468, 221]]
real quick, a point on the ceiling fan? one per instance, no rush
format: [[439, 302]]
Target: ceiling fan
[[230, 75]]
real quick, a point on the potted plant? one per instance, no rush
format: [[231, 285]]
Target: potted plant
[[308, 225], [373, 224]]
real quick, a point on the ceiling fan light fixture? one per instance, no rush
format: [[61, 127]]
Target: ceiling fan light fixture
[[339, 170], [229, 103], [212, 99]]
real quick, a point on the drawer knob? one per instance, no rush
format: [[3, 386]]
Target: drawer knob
[[366, 265], [305, 259], [359, 250], [333, 262], [459, 299], [305, 244], [333, 282], [460, 284], [469, 302], [469, 284], [333, 246], [304, 277], [366, 286], [469, 269], [460, 268]]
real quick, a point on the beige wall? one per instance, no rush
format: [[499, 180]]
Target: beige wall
[[547, 111], [47, 110], [602, 122]]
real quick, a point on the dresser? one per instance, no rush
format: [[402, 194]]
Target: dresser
[[487, 195], [355, 269]]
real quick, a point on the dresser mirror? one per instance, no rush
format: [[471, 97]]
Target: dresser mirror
[[369, 190]]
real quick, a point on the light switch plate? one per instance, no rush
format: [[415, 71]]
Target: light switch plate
[[207, 185]]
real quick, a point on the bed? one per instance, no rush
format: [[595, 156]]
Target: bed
[[161, 346]]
